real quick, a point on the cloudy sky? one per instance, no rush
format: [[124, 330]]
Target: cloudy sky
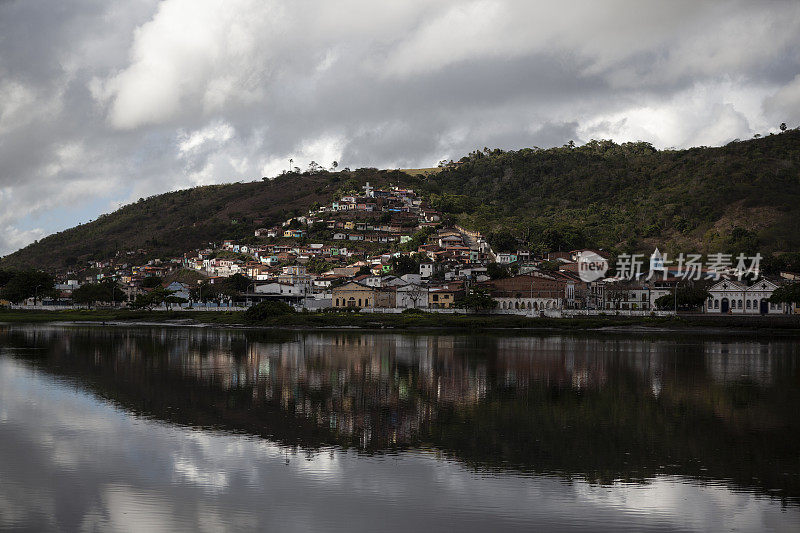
[[102, 102]]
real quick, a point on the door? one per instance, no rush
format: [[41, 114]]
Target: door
[[764, 306], [724, 307]]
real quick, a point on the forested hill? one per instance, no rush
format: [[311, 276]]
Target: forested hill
[[170, 224], [740, 197]]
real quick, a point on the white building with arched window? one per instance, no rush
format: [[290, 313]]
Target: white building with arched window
[[737, 298]]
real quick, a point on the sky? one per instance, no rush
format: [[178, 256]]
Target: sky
[[103, 102]]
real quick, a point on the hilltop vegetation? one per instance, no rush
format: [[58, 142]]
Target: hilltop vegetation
[[169, 224], [741, 197]]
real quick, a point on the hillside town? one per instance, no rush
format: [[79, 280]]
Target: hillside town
[[387, 251]]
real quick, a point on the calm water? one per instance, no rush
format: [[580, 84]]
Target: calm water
[[166, 429]]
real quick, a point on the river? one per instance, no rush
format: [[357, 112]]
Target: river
[[106, 428]]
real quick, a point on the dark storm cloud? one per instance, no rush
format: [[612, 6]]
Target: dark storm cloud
[[115, 101]]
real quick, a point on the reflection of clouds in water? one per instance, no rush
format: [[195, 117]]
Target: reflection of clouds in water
[[128, 509], [195, 474], [321, 467], [127, 467], [692, 506], [19, 504]]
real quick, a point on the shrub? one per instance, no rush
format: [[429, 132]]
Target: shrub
[[268, 309]]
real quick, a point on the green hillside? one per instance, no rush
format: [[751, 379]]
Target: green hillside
[[169, 224], [740, 197]]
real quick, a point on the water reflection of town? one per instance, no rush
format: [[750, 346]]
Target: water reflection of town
[[605, 407], [388, 386]]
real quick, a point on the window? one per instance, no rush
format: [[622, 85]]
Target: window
[[359, 302], [716, 304], [748, 304]]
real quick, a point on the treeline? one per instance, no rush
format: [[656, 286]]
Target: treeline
[[741, 197], [19, 285]]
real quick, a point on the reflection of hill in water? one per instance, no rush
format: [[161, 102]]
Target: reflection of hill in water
[[598, 407]]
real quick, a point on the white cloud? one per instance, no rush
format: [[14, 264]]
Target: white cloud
[[218, 133], [194, 55], [784, 105]]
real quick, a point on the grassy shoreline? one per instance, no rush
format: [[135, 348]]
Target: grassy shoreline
[[788, 324]]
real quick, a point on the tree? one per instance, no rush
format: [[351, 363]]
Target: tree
[[496, 271], [174, 300], [267, 309], [477, 300], [153, 298], [237, 283], [783, 126], [503, 241], [105, 291], [152, 282], [203, 292], [334, 165], [23, 284], [404, 264], [317, 266], [689, 298], [787, 294]]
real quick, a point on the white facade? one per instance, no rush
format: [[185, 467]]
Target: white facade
[[411, 296], [631, 297], [426, 270], [736, 298], [281, 288]]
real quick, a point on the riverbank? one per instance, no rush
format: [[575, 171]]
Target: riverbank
[[786, 323]]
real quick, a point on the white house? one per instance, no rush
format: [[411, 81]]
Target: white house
[[411, 296], [426, 270], [627, 295], [281, 288], [736, 297]]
